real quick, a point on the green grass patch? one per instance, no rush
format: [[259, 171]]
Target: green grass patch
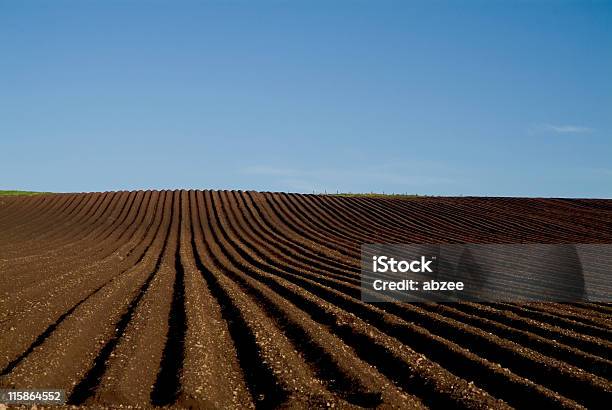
[[14, 193]]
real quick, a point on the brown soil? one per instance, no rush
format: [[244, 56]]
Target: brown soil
[[229, 299]]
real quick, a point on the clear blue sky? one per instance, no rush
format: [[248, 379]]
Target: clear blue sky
[[444, 98]]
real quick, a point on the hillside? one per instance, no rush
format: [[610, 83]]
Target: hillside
[[246, 299]]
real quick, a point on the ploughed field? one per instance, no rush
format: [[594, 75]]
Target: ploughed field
[[229, 299]]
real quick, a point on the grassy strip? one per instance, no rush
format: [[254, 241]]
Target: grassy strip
[[13, 193]]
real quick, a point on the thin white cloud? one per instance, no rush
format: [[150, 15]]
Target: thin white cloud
[[268, 170], [607, 172], [565, 129], [330, 179]]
